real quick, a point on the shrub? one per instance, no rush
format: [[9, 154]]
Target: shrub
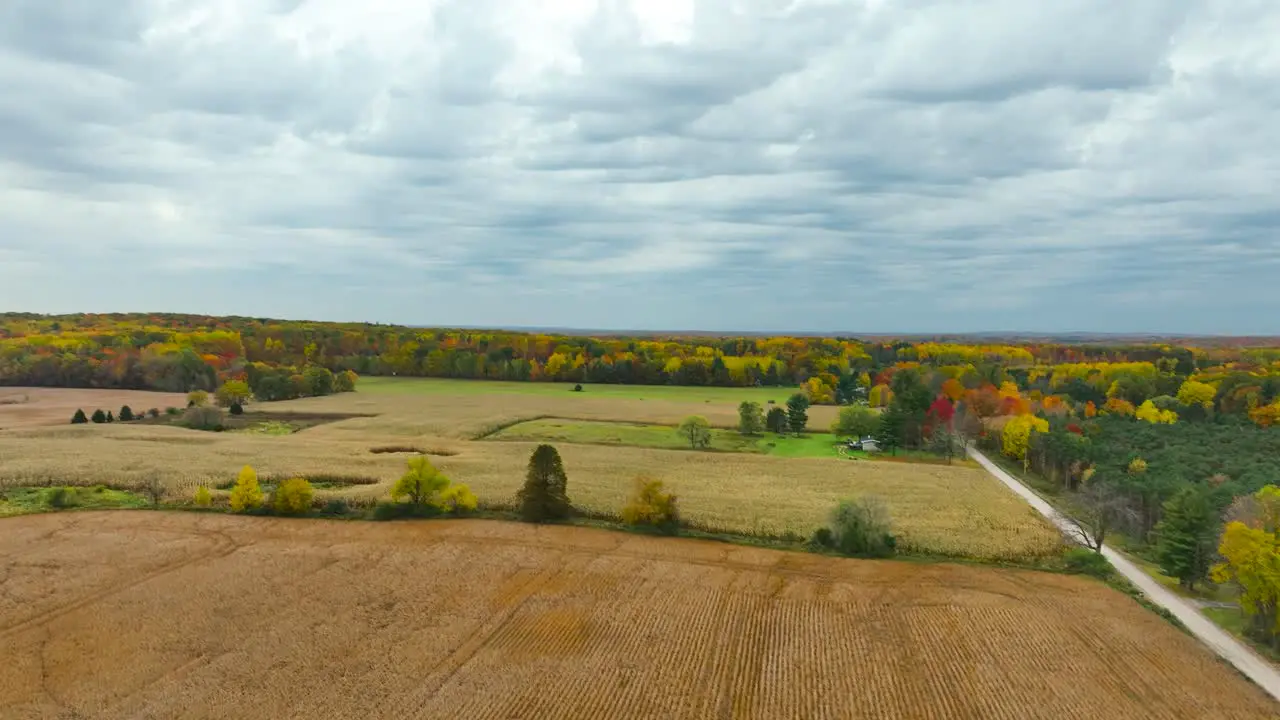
[[153, 413], [172, 411], [823, 538], [336, 507], [1084, 561], [236, 409], [544, 496], [651, 506], [197, 398], [457, 499], [99, 417], [202, 418], [860, 528], [293, 497], [203, 498], [126, 414], [232, 392], [60, 497], [110, 418], [79, 418], [246, 494], [856, 421], [577, 388]]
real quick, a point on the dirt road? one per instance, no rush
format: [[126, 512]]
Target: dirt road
[[1222, 643]]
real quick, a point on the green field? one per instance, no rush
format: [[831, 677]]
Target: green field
[[443, 386], [22, 500], [666, 438]]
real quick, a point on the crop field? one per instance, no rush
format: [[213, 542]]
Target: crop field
[[952, 511], [184, 615], [33, 407]]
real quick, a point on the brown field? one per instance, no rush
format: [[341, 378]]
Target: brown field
[[140, 614], [936, 509], [33, 407]]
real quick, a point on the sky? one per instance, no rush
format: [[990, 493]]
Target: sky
[[752, 165]]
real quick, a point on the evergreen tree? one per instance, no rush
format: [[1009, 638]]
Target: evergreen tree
[[776, 420], [126, 414], [720, 372], [1185, 545], [99, 416], [797, 412], [544, 496], [889, 435], [110, 418], [771, 378], [79, 418]]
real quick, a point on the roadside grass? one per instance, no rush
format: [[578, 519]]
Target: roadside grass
[[25, 500], [681, 393]]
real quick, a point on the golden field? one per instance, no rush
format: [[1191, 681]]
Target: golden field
[[185, 615], [936, 509]]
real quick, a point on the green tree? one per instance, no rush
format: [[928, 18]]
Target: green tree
[[1185, 537], [293, 497], [110, 417], [79, 418], [776, 420], [861, 528], [696, 430], [750, 418], [889, 434], [797, 412], [126, 414], [420, 484], [99, 417], [246, 494], [544, 497], [856, 421]]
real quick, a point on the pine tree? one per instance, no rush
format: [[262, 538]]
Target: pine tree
[[889, 436], [126, 414], [79, 418], [99, 416], [1185, 537], [544, 496], [797, 413], [110, 418], [776, 420]]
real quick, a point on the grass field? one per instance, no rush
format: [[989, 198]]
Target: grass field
[[666, 437], [144, 614], [952, 511], [679, 393]]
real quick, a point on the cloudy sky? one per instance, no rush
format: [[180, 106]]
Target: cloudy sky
[[865, 165]]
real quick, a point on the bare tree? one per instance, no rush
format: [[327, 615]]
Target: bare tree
[[1096, 510]]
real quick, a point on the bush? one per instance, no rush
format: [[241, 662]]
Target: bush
[[1083, 561], [457, 499], [126, 414], [202, 418], [860, 528], [823, 538], [99, 417], [652, 507], [154, 413], [397, 511], [203, 498], [172, 411], [232, 392], [110, 418], [544, 496], [79, 418], [336, 507], [246, 494], [197, 398], [577, 388], [293, 497], [236, 409], [60, 497]]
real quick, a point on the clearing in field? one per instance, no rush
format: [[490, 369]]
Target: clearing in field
[[665, 437], [952, 511], [184, 615]]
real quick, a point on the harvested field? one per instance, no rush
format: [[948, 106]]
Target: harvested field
[[141, 614], [943, 510], [34, 407]]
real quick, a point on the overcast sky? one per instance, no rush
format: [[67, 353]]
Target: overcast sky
[[869, 165]]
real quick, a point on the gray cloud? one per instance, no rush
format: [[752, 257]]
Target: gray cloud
[[860, 165]]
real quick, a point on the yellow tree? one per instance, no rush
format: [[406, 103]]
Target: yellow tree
[[1148, 412], [247, 494], [1251, 560], [1267, 415], [1016, 436], [293, 497], [819, 392], [1197, 393], [420, 484]]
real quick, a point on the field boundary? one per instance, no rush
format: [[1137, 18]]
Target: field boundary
[[1218, 640]]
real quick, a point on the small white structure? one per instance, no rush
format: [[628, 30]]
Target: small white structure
[[866, 444]]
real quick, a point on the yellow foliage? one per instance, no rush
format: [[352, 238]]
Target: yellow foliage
[[1016, 436], [1137, 466], [202, 497], [1251, 560], [247, 494], [1118, 406], [1197, 393], [651, 505], [293, 497], [819, 392], [421, 484], [457, 498], [199, 398], [1009, 390], [1267, 415], [1150, 413], [880, 396]]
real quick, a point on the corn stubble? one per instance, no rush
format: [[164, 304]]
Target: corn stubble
[[942, 510], [193, 615]]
